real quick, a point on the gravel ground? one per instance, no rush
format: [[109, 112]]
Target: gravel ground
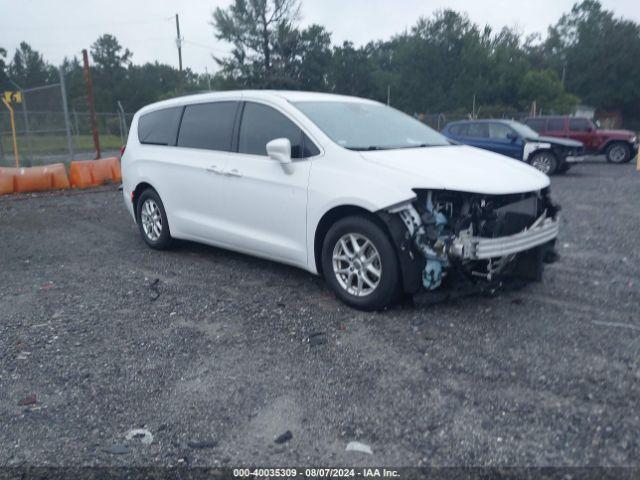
[[202, 345]]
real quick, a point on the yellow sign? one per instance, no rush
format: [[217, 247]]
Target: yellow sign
[[13, 97]]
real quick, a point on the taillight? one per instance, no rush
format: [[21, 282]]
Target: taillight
[[122, 150]]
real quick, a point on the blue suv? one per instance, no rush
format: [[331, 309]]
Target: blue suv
[[516, 140]]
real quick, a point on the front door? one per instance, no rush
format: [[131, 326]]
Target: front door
[[505, 141], [268, 213]]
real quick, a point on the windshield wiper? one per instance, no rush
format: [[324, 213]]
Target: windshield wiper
[[370, 147]]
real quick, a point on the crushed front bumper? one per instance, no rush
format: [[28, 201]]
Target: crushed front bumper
[[542, 231]]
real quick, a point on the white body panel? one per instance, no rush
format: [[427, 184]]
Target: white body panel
[[252, 205]]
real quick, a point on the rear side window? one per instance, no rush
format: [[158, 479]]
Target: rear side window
[[538, 124], [261, 124], [159, 127], [579, 125], [208, 126], [555, 124], [478, 130]]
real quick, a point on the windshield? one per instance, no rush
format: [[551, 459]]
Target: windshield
[[369, 126], [524, 130]]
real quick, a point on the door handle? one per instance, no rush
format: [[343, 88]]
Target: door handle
[[234, 172], [214, 169]]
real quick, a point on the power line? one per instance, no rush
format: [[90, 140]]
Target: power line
[[202, 45]]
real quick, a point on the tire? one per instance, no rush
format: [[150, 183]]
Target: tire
[[564, 168], [545, 161], [152, 220], [618, 152], [351, 274]]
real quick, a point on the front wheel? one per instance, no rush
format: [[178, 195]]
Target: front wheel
[[360, 264], [618, 152], [546, 162]]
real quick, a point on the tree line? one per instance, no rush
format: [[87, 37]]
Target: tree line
[[444, 63]]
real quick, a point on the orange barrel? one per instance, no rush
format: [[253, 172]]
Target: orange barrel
[[32, 179], [80, 174], [6, 180]]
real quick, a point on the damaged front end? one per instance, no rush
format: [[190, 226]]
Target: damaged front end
[[445, 238]]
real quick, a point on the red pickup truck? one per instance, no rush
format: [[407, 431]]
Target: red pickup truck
[[619, 146]]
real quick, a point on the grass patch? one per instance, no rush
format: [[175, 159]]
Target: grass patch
[[52, 144]]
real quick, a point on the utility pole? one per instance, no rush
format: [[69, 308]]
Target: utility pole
[[90, 102], [179, 45]]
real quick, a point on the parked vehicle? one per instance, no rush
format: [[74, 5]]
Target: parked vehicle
[[513, 139], [368, 197], [619, 146]]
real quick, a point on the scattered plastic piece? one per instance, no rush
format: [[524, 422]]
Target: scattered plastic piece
[[118, 449], [285, 437], [317, 338], [143, 434], [30, 400], [155, 293], [203, 444], [359, 447]]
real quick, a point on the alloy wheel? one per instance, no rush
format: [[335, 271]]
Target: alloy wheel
[[356, 264], [617, 153], [543, 162], [151, 219]]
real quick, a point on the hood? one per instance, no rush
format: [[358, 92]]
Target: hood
[[565, 142], [458, 168], [603, 132]]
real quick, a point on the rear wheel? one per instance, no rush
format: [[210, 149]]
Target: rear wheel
[[545, 161], [618, 152], [152, 220], [360, 264]]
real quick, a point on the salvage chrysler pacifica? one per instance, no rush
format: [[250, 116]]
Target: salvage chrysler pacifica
[[373, 200]]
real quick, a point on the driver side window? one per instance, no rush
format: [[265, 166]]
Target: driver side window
[[261, 124], [499, 131]]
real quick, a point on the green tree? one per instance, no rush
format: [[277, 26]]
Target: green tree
[[4, 81], [108, 54], [260, 32], [28, 68], [544, 87], [109, 72], [600, 57]]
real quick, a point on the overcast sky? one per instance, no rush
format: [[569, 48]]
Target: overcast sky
[[60, 28]]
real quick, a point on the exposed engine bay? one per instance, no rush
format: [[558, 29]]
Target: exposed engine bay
[[472, 237]]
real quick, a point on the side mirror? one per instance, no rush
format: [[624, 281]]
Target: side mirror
[[279, 150], [512, 136]]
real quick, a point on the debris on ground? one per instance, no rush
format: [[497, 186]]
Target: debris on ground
[[155, 293], [359, 447], [28, 400], [142, 434], [285, 437], [202, 444], [316, 338], [517, 301], [616, 324], [118, 449]]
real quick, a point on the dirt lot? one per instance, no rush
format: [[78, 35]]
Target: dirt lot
[[201, 345]]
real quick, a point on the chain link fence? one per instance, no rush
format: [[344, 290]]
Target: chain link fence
[[50, 132]]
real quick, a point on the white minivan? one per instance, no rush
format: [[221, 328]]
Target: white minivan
[[372, 199]]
